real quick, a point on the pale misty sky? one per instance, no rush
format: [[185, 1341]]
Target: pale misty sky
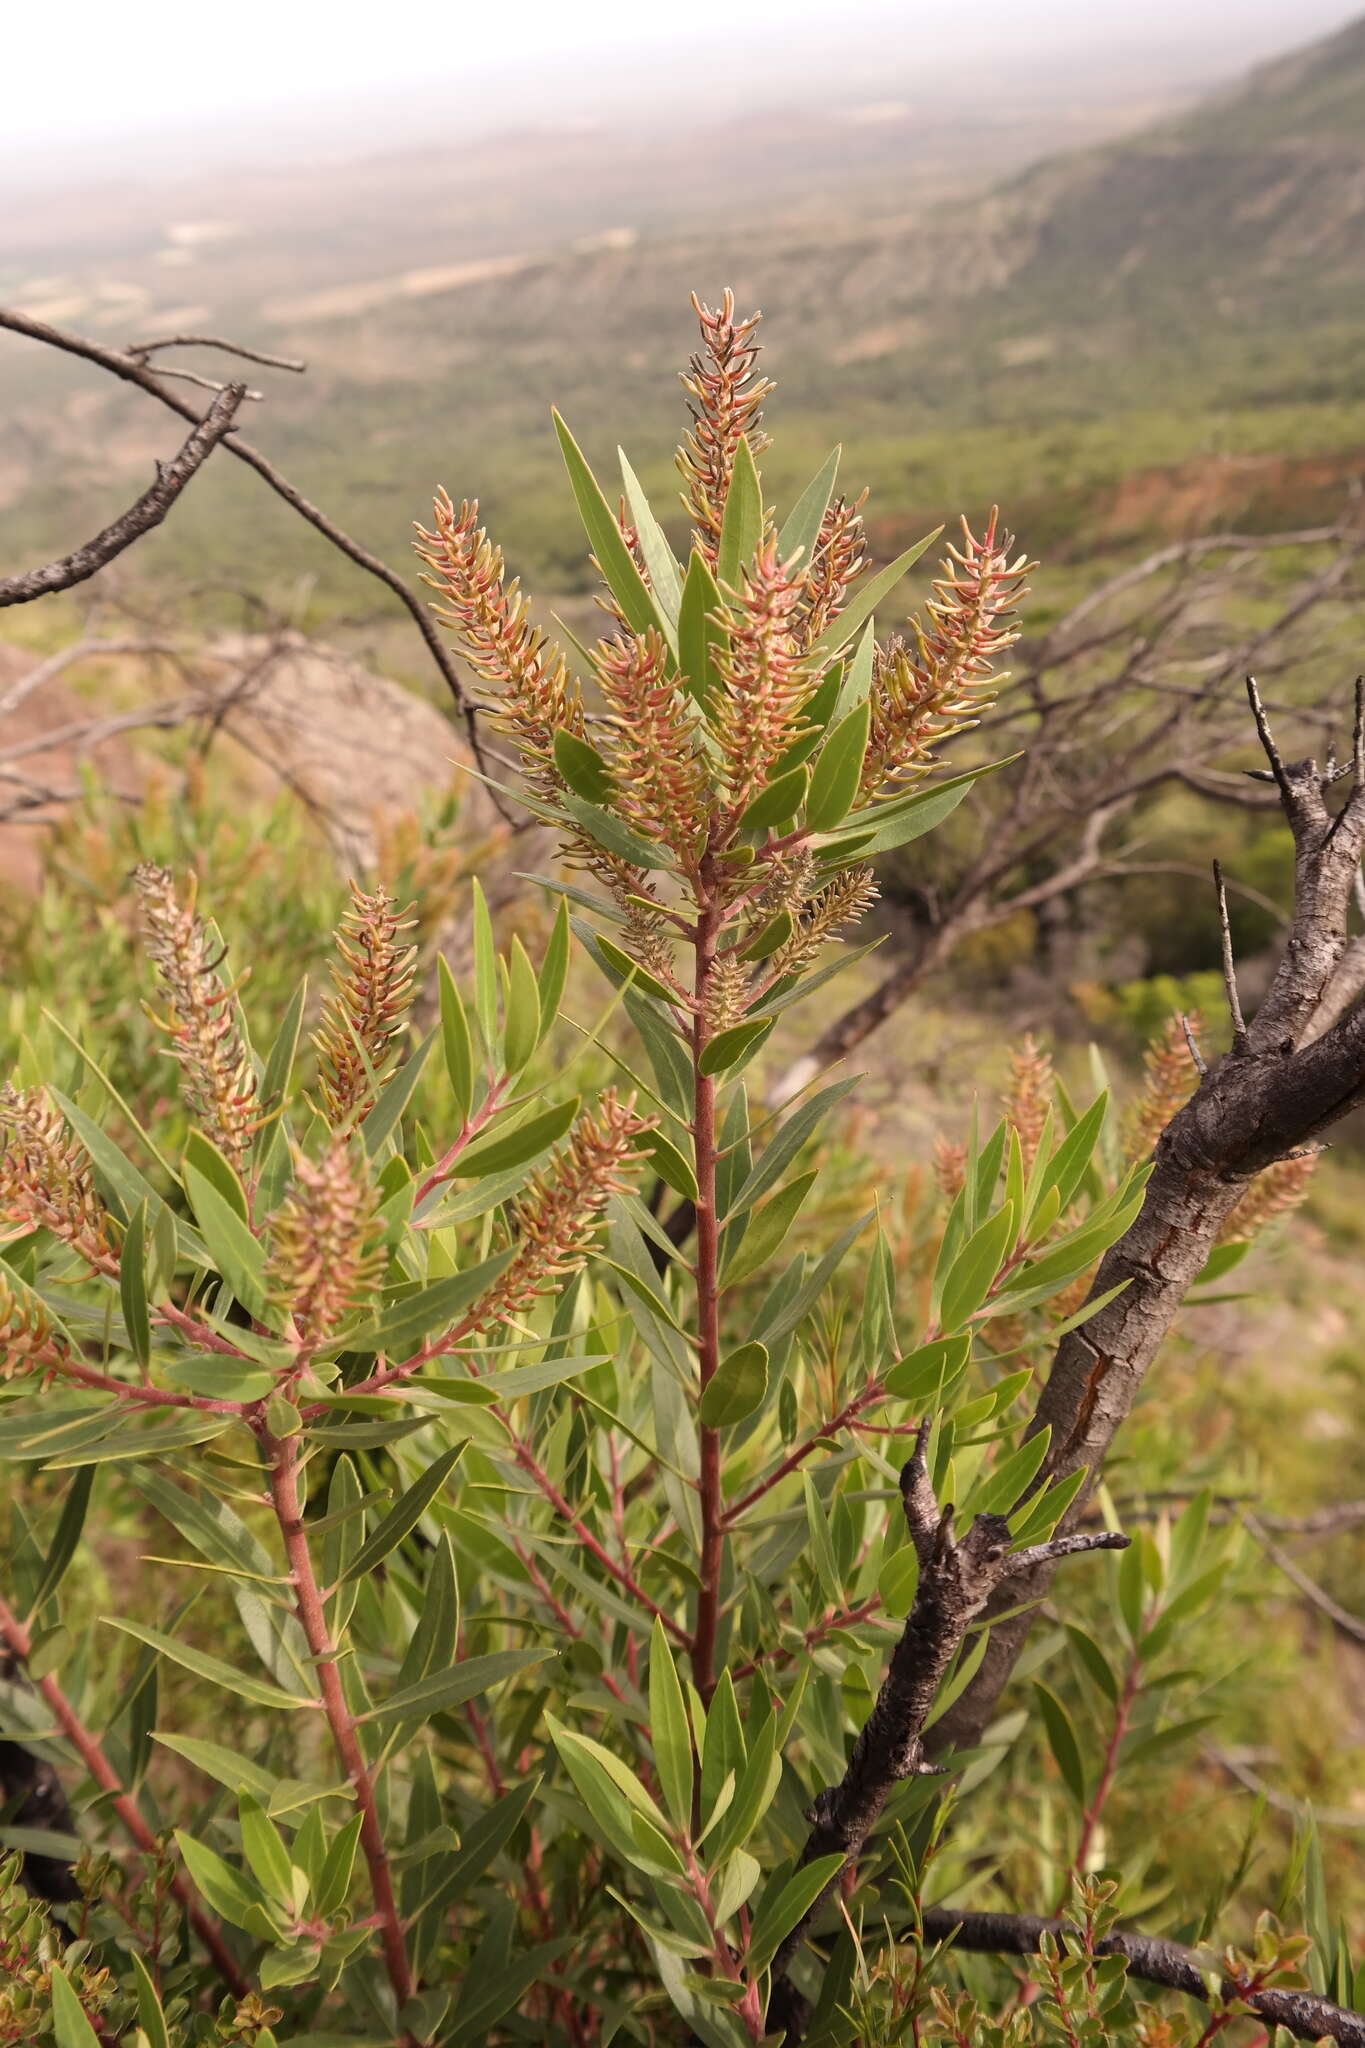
[[88, 73]]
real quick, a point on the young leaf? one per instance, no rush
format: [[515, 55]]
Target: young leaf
[[780, 800], [72, 2028], [583, 768], [869, 597], [698, 634], [614, 558], [974, 1270], [742, 524], [736, 1388], [521, 1009], [505, 1149], [801, 527], [665, 577], [669, 1730], [456, 1041], [404, 1515], [728, 1047], [554, 969], [133, 1286], [834, 781]]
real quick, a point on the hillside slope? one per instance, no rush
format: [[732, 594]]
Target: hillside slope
[[1189, 295]]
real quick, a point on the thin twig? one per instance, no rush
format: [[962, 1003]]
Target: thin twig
[[228, 348], [1239, 1029], [1168, 1963]]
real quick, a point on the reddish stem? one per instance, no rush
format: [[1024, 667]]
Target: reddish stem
[[707, 1270], [282, 1456], [1132, 1681], [125, 1806]]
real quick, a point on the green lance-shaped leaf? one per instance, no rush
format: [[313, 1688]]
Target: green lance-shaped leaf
[[334, 1883], [779, 801], [440, 1691], [404, 1515], [834, 781], [741, 527], [583, 768], [767, 1229], [770, 937], [784, 1905], [406, 1322], [509, 1148], [799, 1128], [521, 1009], [231, 1895], [614, 558], [897, 1581], [699, 637], [133, 1286], [383, 1119], [973, 1271], [856, 684], [72, 2028], [66, 1536], [150, 2016], [554, 971], [485, 970], [1061, 1740], [869, 597], [204, 1156], [1011, 1477], [239, 1257], [606, 830], [620, 968], [263, 1846], [456, 1041], [801, 527], [670, 1731], [728, 1047], [665, 577], [669, 1163], [212, 1669], [736, 1388]]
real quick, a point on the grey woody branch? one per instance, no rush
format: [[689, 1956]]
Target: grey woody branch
[[1167, 1963], [132, 367], [148, 512], [958, 1577], [1276, 1089]]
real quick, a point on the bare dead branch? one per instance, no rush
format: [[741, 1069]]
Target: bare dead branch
[[149, 511], [132, 369], [958, 1576], [229, 348], [1275, 1091], [1345, 1623], [1297, 1809], [90, 649], [1167, 1963]]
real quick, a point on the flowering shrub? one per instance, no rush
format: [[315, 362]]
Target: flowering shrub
[[557, 1578]]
